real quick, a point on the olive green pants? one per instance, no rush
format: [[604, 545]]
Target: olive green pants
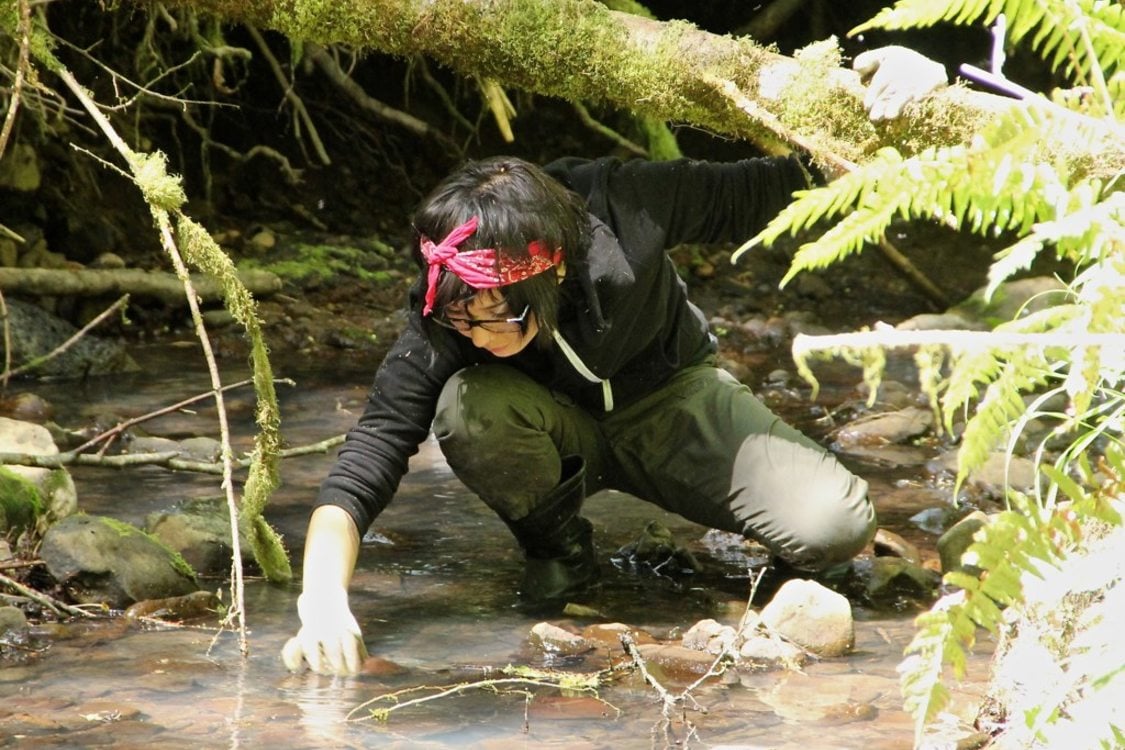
[[702, 446]]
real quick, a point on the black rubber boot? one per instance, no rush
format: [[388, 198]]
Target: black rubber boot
[[558, 543]]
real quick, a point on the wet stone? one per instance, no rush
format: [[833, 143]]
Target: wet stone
[[763, 651], [13, 625], [552, 639], [193, 606], [812, 616], [890, 544], [376, 666], [709, 636], [891, 577], [199, 529], [953, 543], [99, 560], [880, 429], [607, 635], [675, 662]]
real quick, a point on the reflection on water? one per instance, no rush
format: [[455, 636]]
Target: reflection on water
[[434, 591]]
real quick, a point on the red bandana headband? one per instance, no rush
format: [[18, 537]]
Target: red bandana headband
[[481, 269]]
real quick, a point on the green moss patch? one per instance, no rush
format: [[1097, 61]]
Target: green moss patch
[[308, 265], [20, 502]]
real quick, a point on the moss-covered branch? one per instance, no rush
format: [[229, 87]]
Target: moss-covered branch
[[580, 51]]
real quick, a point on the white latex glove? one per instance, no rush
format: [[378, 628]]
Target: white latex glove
[[329, 639], [895, 77]]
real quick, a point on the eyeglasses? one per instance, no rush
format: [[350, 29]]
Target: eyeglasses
[[493, 325]]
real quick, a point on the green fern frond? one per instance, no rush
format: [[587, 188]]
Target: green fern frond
[[944, 635], [946, 184], [970, 372], [1014, 544], [1072, 36], [834, 199], [847, 237], [1001, 404]]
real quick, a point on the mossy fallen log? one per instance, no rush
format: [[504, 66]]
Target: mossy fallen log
[[160, 285]]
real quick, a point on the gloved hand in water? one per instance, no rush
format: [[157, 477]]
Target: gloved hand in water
[[329, 640], [896, 76]]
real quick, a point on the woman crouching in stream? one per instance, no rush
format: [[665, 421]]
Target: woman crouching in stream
[[553, 351]]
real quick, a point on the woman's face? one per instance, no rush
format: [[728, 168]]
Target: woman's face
[[490, 322]]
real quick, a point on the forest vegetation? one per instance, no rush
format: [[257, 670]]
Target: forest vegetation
[[159, 97]]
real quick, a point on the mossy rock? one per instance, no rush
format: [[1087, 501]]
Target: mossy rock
[[102, 560], [21, 505]]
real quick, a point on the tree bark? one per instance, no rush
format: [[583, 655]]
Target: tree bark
[[580, 51]]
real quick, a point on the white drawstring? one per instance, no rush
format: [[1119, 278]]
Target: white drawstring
[[583, 370]]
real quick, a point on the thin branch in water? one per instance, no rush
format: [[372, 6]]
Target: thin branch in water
[[168, 459], [59, 608], [685, 700], [168, 241], [580, 682], [120, 427]]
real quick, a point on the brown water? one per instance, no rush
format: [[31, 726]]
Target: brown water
[[434, 594]]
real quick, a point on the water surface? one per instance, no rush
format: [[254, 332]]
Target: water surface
[[434, 592]]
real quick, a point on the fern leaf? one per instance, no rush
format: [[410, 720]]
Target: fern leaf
[[1001, 403], [1074, 37], [812, 206]]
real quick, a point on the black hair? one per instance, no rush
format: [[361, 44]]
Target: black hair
[[516, 203]]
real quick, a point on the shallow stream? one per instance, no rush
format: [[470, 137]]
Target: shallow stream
[[434, 592]]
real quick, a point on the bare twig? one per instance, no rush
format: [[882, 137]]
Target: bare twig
[[290, 95], [110, 434], [6, 565], [59, 608], [589, 121], [6, 373], [684, 700], [886, 336], [582, 682], [21, 66], [339, 77], [168, 241]]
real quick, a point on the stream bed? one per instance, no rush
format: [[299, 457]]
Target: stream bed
[[434, 591]]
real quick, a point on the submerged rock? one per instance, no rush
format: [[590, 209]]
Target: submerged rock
[[193, 606], [552, 639], [36, 332], [889, 427], [889, 544], [657, 552], [13, 625], [890, 578]]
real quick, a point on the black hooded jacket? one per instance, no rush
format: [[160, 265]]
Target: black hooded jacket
[[624, 314]]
